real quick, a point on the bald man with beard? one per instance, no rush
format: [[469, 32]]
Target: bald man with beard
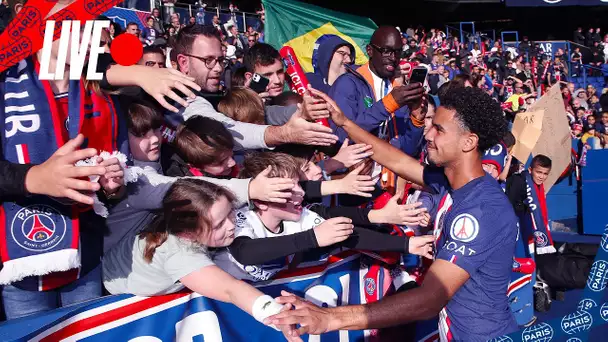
[[373, 96]]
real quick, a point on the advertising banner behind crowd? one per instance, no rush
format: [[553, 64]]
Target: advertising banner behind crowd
[[303, 27], [190, 317], [123, 16]]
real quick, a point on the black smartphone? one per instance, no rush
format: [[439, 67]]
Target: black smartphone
[[259, 83], [419, 75]]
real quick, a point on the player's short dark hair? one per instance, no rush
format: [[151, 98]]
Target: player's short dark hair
[[541, 160], [131, 24], [509, 139], [186, 36], [478, 113], [260, 54]]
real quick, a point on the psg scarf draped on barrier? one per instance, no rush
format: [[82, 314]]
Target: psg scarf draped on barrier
[[190, 317], [40, 235], [540, 222]]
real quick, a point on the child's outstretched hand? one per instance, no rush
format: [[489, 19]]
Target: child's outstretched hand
[[276, 190], [395, 213], [422, 245], [356, 184], [349, 156], [333, 231], [426, 220]]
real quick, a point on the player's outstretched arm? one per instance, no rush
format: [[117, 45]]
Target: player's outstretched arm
[[383, 153], [440, 284]]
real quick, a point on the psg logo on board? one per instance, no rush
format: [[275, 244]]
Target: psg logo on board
[[38, 228]]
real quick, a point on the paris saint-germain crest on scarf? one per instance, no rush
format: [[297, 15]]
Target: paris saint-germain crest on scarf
[[38, 228]]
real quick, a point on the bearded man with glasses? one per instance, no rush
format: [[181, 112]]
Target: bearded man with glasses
[[199, 55]]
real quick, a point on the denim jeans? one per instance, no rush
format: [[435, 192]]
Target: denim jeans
[[19, 303]]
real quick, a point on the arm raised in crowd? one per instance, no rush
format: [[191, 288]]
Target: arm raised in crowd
[[161, 83], [383, 153]]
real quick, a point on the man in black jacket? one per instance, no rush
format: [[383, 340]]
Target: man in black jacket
[[579, 37]]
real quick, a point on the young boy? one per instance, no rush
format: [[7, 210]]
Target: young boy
[[268, 237], [145, 196], [554, 269]]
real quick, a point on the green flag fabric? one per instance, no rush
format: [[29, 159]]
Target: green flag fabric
[[303, 26]]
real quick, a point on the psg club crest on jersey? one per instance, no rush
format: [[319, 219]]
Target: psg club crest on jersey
[[370, 286], [38, 228], [464, 228]]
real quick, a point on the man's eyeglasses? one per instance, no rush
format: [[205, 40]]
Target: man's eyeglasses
[[344, 54], [210, 62], [386, 51], [251, 40]]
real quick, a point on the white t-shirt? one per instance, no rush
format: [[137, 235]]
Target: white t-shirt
[[249, 224], [126, 271]]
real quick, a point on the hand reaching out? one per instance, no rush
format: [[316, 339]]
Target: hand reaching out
[[356, 184], [348, 156], [162, 82], [422, 245], [113, 179], [395, 213], [334, 230]]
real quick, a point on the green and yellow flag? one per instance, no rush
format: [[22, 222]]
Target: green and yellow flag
[[303, 26]]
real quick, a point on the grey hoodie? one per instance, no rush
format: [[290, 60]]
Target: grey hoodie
[[135, 211]]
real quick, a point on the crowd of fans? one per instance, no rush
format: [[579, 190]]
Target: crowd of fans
[[223, 165]]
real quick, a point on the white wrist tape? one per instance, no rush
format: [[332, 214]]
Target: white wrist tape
[[264, 307]]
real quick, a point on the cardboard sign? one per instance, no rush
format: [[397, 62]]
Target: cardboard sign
[[555, 141], [527, 129]]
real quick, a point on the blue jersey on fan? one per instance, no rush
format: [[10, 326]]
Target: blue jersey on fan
[[475, 229]]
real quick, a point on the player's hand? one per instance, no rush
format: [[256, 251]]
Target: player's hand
[[276, 190], [289, 331], [312, 319], [312, 108], [337, 116], [334, 230], [422, 245], [354, 183], [59, 177]]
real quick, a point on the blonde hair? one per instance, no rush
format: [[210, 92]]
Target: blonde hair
[[243, 104]]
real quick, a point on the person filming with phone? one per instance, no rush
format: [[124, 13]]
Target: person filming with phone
[[375, 97]]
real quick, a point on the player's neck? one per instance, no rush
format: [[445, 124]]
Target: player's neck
[[270, 222], [463, 171]]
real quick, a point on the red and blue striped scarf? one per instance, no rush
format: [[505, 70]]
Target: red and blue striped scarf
[[538, 212], [39, 235]]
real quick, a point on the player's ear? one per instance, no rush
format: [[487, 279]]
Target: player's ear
[[471, 142], [248, 76]]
